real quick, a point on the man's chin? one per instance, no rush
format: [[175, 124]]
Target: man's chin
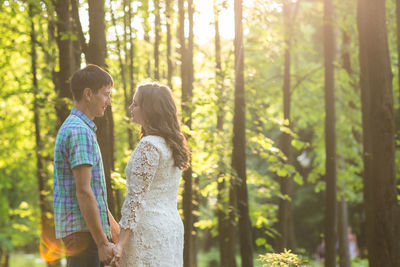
[[101, 114]]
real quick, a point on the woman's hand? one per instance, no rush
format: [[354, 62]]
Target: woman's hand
[[117, 250]]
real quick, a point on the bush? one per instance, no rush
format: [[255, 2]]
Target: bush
[[284, 259]]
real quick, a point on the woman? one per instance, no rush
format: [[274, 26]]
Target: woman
[[151, 228]]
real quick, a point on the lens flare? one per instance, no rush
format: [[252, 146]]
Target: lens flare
[[52, 250]]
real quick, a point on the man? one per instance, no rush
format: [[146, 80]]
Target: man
[[81, 215]]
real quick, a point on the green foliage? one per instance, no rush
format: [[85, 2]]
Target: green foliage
[[284, 259], [211, 149]]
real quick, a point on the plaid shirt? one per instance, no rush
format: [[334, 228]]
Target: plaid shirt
[[76, 144]]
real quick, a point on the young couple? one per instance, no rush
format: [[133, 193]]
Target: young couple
[[150, 232]]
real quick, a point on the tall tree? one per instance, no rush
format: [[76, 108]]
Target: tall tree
[[67, 59], [169, 15], [397, 133], [239, 143], [343, 233], [189, 110], [188, 259], [342, 214], [286, 239], [146, 28], [330, 136], [380, 196], [127, 97], [225, 233], [48, 239], [105, 126], [157, 33]]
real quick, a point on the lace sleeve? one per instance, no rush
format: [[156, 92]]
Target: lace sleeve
[[141, 173]]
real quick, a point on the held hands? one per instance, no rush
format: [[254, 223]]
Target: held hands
[[117, 250], [106, 252]]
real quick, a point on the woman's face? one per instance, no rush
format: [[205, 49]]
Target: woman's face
[[136, 111]]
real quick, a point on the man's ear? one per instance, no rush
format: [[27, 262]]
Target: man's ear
[[87, 94]]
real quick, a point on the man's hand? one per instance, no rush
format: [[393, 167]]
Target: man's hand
[[106, 253]]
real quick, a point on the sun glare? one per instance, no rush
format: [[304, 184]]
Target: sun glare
[[204, 21]]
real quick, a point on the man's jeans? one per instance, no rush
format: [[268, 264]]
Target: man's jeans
[[81, 250]]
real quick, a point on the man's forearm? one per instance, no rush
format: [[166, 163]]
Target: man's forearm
[[90, 212]]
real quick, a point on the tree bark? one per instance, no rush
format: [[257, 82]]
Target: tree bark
[[169, 15], [67, 64], [343, 234], [239, 144], [188, 259], [157, 31], [225, 236], [131, 54], [330, 136], [127, 98], [105, 125], [285, 205], [398, 67], [146, 28], [380, 196], [189, 107], [48, 239], [346, 62]]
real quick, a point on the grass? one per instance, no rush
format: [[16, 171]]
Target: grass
[[19, 259], [23, 260], [204, 259], [211, 259]]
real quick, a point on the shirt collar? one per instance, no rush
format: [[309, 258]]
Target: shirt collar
[[84, 118]]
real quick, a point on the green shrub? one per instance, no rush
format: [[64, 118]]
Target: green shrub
[[284, 259]]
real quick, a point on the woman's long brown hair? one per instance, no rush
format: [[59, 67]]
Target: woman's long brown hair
[[161, 119]]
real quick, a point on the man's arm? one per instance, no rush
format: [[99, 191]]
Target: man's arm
[[88, 206]]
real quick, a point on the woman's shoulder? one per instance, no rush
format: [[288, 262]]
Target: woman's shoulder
[[155, 140]]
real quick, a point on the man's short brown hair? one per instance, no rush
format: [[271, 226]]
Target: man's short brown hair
[[93, 77]]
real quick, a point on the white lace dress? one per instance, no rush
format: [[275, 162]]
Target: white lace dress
[[150, 207]]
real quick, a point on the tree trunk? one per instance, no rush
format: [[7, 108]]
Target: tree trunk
[[169, 15], [239, 144], [105, 125], [67, 64], [78, 29], [188, 259], [157, 31], [285, 205], [131, 55], [146, 28], [397, 134], [189, 107], [7, 260], [330, 136], [225, 236], [127, 99], [380, 196], [48, 239], [344, 253], [346, 62], [343, 234]]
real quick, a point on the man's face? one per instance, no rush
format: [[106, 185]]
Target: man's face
[[100, 101]]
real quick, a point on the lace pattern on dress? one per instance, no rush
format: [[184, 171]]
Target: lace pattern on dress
[[140, 172]]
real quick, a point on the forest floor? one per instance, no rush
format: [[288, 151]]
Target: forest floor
[[22, 260]]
